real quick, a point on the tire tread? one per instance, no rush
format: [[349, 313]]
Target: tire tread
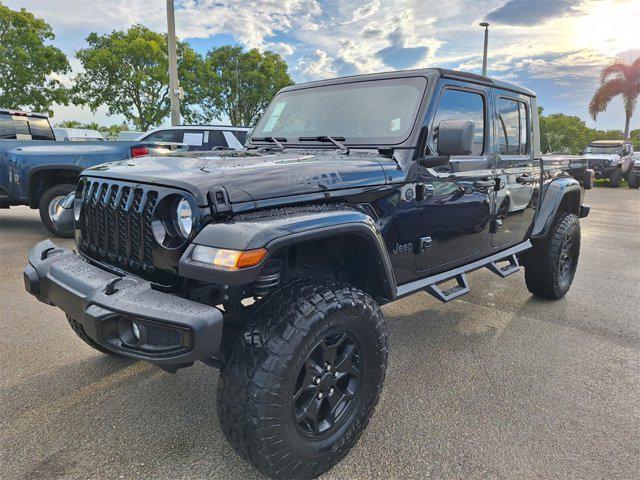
[[250, 376]]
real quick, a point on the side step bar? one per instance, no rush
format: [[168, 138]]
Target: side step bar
[[454, 292], [431, 284], [512, 267]]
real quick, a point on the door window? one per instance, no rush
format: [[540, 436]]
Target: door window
[[513, 135], [462, 105], [241, 135], [216, 139], [162, 136]]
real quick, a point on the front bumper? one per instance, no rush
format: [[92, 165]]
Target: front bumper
[[172, 331]]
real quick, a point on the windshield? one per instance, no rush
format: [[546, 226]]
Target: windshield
[[367, 112], [610, 150]]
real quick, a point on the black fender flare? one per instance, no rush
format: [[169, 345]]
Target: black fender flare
[[71, 168], [274, 232], [562, 191]]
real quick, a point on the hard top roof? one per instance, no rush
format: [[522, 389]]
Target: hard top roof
[[427, 72], [608, 143]]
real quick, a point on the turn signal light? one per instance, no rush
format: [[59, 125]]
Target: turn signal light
[[228, 259]]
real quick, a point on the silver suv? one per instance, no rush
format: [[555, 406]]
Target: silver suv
[[611, 159]]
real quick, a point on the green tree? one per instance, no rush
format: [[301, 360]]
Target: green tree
[[634, 136], [240, 84], [565, 133], [128, 73], [27, 64], [70, 124], [618, 78], [562, 133]]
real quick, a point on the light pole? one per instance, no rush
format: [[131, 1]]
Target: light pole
[[486, 45], [174, 84]]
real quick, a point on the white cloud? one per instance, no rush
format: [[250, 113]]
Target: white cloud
[[315, 66], [326, 38], [282, 48]]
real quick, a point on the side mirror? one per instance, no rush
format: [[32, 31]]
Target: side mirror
[[455, 137]]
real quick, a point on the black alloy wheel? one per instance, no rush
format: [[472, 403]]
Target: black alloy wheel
[[326, 385], [566, 264]]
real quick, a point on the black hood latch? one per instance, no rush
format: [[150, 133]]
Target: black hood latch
[[218, 200]]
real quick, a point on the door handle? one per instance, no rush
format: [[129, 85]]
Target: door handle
[[484, 184]]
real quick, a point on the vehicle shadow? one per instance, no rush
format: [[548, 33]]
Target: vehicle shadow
[[137, 421]]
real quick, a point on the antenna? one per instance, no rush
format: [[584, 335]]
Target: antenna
[[486, 45]]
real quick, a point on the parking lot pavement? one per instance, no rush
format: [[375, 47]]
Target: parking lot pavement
[[496, 384]]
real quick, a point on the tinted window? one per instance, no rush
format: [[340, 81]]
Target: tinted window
[[163, 136], [215, 139], [20, 124], [241, 135], [462, 105], [40, 129], [7, 130], [512, 127]]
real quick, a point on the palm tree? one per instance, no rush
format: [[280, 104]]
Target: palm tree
[[619, 78]]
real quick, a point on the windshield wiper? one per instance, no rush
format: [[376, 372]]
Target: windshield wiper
[[271, 140], [337, 141]]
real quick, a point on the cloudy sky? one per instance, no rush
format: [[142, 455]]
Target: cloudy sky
[[555, 47]]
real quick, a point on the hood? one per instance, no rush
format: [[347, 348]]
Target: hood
[[249, 176]]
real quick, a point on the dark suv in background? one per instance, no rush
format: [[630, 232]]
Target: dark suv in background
[[201, 137]]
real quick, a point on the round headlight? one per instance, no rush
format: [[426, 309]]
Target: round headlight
[[184, 217]]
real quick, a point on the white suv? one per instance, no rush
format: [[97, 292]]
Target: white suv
[[196, 137]]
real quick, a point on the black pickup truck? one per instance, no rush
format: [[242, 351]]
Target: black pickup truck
[[272, 263]]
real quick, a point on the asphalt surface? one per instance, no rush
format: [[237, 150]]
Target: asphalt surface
[[496, 384]]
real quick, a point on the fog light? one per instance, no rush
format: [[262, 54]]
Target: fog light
[[135, 330]]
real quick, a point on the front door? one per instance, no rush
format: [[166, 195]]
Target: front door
[[517, 188], [454, 211]]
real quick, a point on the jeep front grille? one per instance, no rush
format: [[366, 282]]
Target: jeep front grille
[[115, 224], [599, 163]]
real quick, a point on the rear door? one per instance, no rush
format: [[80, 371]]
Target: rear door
[[453, 217], [517, 188]]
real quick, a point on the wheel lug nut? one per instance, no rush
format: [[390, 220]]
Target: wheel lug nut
[[331, 391], [316, 380], [320, 395], [328, 367]]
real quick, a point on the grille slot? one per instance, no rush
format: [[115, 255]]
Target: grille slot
[[115, 222]]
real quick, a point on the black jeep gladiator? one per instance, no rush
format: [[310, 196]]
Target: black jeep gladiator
[[272, 263]]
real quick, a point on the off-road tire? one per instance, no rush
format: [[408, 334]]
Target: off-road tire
[[255, 391], [614, 178], [61, 190], [78, 328], [633, 180], [545, 272]]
